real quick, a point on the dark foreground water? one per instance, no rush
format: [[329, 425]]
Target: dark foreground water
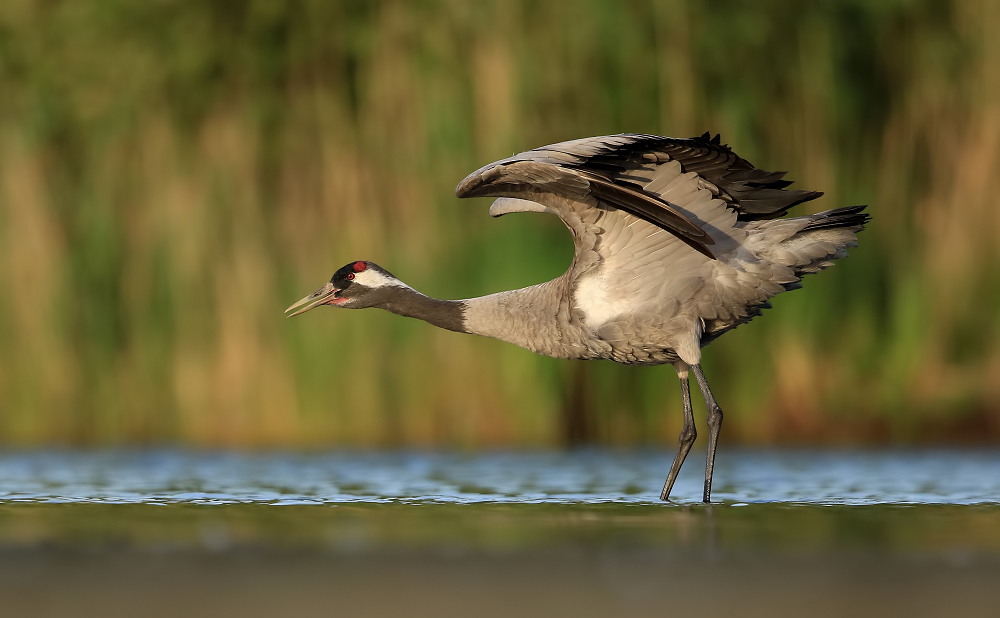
[[796, 533]]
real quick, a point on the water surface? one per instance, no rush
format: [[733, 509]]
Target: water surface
[[792, 533], [584, 477]]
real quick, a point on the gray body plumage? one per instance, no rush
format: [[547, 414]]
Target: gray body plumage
[[638, 291]]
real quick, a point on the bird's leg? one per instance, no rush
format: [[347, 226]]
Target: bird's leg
[[688, 432], [714, 423]]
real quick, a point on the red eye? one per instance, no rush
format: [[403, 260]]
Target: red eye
[[350, 276]]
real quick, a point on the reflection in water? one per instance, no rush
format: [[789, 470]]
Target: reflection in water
[[488, 560], [542, 534]]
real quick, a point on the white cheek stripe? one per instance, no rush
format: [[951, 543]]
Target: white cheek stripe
[[373, 279]]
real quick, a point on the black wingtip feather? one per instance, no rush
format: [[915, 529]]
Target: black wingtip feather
[[848, 216]]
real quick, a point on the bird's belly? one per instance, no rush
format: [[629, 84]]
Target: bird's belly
[[643, 356], [638, 338], [628, 333]]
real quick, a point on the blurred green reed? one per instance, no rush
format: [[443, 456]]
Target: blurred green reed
[[174, 173]]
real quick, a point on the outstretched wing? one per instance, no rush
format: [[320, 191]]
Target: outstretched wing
[[619, 171]]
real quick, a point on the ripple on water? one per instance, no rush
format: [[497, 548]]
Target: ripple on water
[[585, 477]]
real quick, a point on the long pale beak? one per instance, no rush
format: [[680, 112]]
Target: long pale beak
[[317, 298]]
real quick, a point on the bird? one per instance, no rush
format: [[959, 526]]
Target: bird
[[676, 242]]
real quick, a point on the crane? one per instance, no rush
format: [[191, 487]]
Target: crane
[[676, 241]]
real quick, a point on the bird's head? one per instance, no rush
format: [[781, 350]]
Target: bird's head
[[355, 286]]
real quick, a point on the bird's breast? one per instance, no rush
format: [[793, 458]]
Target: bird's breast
[[597, 302]]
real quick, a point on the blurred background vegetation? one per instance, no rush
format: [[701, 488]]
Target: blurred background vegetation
[[174, 173]]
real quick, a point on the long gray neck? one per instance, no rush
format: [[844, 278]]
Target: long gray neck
[[405, 301], [536, 318]]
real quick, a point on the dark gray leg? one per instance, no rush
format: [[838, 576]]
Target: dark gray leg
[[714, 423], [688, 433]]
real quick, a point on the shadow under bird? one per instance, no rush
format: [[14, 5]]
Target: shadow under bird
[[676, 242]]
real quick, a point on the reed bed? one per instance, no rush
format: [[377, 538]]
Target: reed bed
[[174, 173]]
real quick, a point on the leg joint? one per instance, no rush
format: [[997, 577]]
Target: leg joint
[[715, 417]]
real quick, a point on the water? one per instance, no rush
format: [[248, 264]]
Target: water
[[817, 533], [587, 477]]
